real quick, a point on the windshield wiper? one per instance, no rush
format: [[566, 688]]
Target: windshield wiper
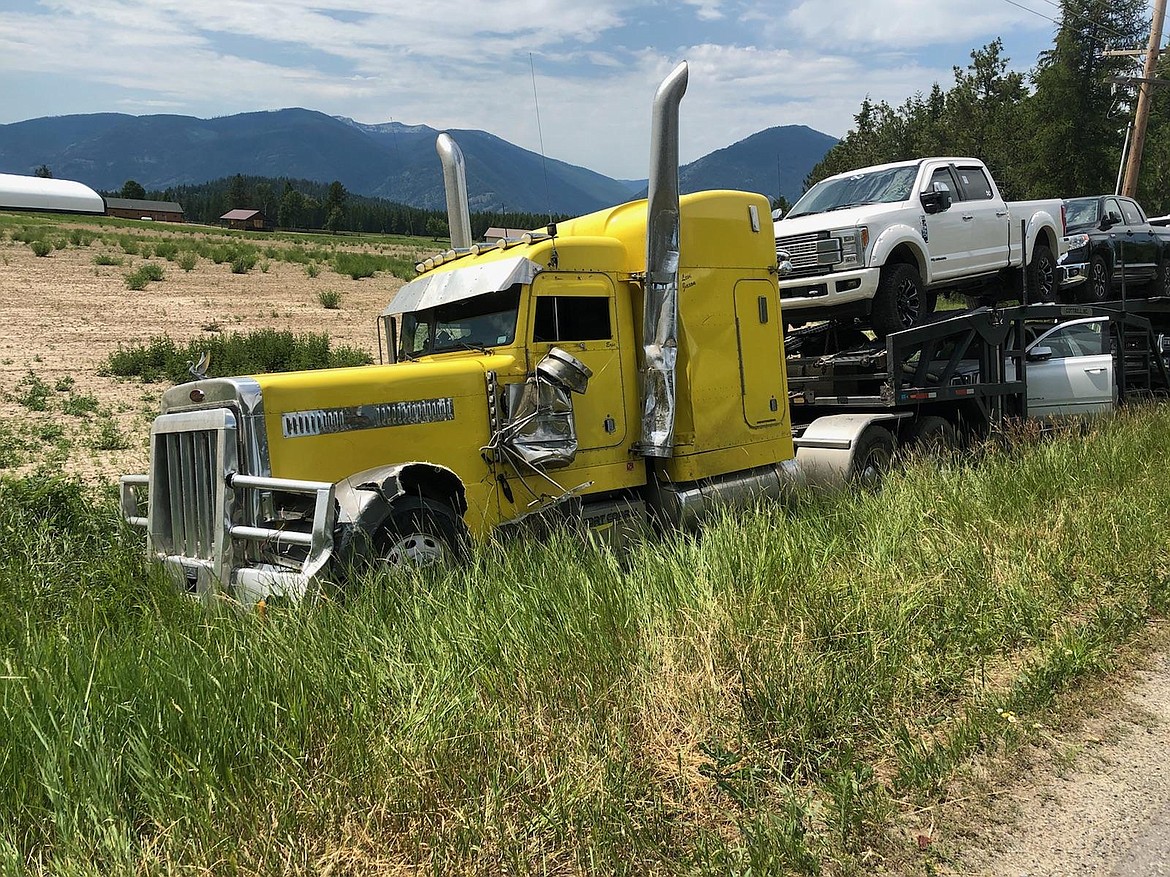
[[467, 345], [850, 204]]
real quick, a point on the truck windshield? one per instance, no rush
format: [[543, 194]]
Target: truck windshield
[[1080, 211], [876, 187], [473, 323]]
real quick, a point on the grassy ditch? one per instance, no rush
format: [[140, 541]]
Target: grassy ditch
[[768, 698]]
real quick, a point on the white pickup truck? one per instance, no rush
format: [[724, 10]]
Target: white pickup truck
[[883, 242]]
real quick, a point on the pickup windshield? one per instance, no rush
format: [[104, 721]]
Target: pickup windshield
[[470, 324], [876, 187]]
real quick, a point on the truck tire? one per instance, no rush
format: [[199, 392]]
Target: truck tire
[[421, 532], [871, 458], [1098, 284], [899, 302], [1041, 276], [932, 436]]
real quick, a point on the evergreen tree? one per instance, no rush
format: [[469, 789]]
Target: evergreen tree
[[1077, 126], [238, 195]]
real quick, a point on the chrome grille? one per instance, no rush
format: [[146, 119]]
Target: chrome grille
[[802, 252], [190, 459], [190, 504]]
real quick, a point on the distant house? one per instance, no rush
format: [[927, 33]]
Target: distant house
[[48, 195], [496, 234], [249, 220], [136, 208]]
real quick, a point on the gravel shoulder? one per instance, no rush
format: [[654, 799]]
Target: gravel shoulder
[[1093, 799]]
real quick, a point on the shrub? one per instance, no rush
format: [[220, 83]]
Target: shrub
[[41, 248], [32, 392], [80, 405], [356, 265], [150, 272], [243, 263], [109, 437], [330, 299], [259, 352], [107, 259], [312, 269], [187, 261], [166, 250], [129, 245]]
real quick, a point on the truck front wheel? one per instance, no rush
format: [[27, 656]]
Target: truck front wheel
[[899, 302], [1097, 286], [421, 532]]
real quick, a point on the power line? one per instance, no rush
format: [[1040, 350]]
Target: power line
[[1074, 12]]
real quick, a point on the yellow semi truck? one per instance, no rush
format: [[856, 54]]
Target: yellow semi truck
[[618, 368]]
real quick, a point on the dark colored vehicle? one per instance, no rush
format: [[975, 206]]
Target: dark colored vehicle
[[1113, 250]]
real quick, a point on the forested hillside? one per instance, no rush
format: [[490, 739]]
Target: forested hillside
[[1056, 130]]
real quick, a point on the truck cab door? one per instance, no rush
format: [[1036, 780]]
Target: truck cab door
[[1075, 375], [1141, 247], [985, 218], [578, 312], [946, 232]]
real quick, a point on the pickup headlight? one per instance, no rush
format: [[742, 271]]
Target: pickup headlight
[[1077, 246], [844, 247]]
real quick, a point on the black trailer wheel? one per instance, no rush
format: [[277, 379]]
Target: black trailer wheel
[[421, 532], [1041, 276], [871, 457], [932, 436], [1096, 287], [899, 302]]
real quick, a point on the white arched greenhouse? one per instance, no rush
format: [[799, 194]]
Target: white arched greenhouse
[[48, 195]]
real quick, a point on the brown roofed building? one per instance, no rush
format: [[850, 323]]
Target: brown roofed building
[[244, 218], [136, 208]]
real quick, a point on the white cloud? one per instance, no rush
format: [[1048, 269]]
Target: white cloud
[[453, 63]]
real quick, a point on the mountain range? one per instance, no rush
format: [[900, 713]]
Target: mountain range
[[391, 160]]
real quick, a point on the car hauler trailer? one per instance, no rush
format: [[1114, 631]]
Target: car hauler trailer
[[618, 369]]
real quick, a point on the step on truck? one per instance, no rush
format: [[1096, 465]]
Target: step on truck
[[880, 243], [618, 369]]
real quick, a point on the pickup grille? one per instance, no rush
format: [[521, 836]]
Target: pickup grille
[[802, 250]]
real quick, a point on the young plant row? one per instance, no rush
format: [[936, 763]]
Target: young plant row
[[767, 697]]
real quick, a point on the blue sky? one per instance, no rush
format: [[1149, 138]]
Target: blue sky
[[461, 64]]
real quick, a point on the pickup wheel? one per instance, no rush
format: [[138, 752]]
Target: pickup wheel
[[421, 532], [1097, 285], [1041, 276], [899, 302], [871, 458]]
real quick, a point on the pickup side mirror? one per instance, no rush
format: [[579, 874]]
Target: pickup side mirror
[[936, 202], [1108, 221], [777, 214], [1040, 353]]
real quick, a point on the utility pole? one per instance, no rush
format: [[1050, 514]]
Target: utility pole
[[1141, 117]]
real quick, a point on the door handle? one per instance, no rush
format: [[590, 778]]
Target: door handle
[[1095, 371], [1001, 213], [967, 217]]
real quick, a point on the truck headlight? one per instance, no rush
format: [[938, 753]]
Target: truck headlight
[[853, 244]]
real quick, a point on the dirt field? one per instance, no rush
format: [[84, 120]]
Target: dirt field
[[63, 314]]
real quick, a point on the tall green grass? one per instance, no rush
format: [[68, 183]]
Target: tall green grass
[[757, 699], [260, 352]]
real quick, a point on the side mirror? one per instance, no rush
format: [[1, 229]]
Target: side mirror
[[1040, 353], [777, 214], [935, 202], [1108, 221]]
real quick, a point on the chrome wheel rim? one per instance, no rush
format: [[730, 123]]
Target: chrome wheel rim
[[415, 549], [1045, 279], [1099, 282]]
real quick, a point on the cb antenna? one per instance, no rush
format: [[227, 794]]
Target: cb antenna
[[540, 136]]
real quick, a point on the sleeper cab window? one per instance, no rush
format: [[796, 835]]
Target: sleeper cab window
[[572, 318]]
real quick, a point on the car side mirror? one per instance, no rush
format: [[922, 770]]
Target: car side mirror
[[1108, 221], [935, 202], [777, 214], [1040, 353]]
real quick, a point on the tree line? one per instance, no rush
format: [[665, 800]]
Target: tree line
[[316, 206], [1055, 131]]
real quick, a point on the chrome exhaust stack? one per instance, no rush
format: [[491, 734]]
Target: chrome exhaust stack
[[455, 184], [660, 307]]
